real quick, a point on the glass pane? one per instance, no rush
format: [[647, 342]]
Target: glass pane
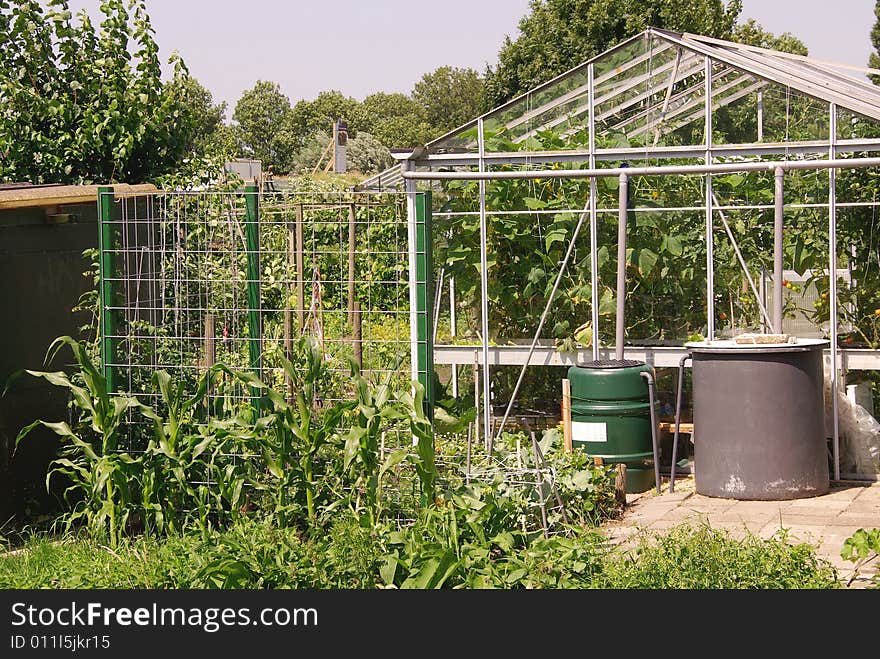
[[535, 120], [649, 100], [737, 106], [851, 126], [790, 116], [462, 141]]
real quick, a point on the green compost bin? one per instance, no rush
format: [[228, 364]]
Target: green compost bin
[[611, 417]]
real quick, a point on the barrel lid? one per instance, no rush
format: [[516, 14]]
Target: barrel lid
[[731, 347], [611, 363]]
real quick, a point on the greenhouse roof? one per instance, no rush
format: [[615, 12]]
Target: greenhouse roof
[[648, 94]]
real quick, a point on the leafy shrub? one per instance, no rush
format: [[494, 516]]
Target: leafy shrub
[[861, 548], [702, 557]]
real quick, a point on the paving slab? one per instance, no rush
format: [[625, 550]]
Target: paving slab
[[820, 506], [855, 519], [870, 493], [824, 521], [842, 493], [866, 507]]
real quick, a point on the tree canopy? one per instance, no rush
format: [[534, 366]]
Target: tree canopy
[[266, 129], [874, 58], [82, 104], [450, 97], [208, 128], [396, 120], [560, 34]]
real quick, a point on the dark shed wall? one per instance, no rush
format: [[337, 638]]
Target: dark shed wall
[[41, 279]]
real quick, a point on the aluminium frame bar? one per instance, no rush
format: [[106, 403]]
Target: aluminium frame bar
[[594, 216], [714, 168], [484, 294], [832, 289], [831, 164], [710, 218]]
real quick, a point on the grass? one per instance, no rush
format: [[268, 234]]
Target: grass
[[699, 557], [247, 555], [253, 554]]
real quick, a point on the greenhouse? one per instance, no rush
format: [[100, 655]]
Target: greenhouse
[[729, 179]]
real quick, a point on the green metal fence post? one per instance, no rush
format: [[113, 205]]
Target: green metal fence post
[[252, 237], [107, 271], [424, 298]]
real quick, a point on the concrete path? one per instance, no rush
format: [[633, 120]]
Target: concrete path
[[825, 521]]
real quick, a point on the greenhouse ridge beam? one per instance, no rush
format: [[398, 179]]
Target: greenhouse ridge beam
[[716, 168], [813, 147], [546, 354], [392, 177]]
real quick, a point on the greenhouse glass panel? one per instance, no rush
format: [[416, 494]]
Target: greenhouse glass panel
[[852, 126], [562, 105]]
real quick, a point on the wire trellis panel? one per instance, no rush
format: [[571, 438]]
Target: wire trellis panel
[[194, 279]]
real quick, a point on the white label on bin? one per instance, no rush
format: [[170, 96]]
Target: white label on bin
[[582, 431]]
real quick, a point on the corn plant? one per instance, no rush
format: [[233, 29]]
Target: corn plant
[[423, 434], [101, 475], [288, 436], [182, 462], [376, 408]]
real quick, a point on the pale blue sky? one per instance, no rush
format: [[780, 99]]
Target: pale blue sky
[[362, 46]]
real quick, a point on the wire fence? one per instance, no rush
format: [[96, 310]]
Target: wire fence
[[194, 279]]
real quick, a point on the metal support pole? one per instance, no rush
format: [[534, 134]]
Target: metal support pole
[[484, 294], [778, 193], [411, 221], [252, 238], [650, 380], [622, 209], [107, 268], [710, 239], [424, 335], [762, 300], [452, 333], [832, 291], [594, 219]]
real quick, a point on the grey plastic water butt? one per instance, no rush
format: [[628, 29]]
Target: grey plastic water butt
[[759, 430]]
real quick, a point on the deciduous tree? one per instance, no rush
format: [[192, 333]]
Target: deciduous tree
[[874, 58], [265, 127], [81, 104], [559, 34], [450, 97]]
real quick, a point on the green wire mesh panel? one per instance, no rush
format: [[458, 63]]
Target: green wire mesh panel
[[194, 279]]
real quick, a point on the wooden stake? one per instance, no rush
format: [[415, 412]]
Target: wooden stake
[[620, 484], [210, 354], [566, 414], [288, 314], [356, 335], [597, 461], [300, 277], [321, 159], [351, 238]]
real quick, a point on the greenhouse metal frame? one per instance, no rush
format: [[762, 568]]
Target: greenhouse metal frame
[[655, 85]]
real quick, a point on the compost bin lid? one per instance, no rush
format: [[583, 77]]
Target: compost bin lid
[[611, 363]]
